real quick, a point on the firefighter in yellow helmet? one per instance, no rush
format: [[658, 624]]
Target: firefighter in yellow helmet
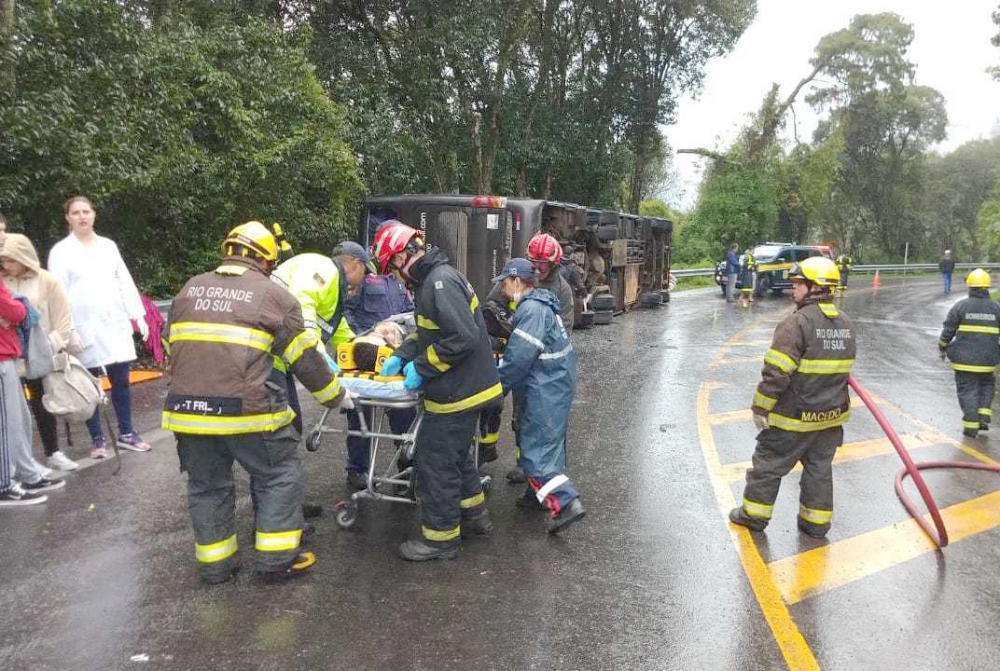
[[223, 403], [971, 341], [801, 403]]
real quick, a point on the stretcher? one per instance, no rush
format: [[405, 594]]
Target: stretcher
[[391, 480]]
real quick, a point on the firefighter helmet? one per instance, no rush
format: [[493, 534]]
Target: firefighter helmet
[[394, 237], [252, 239], [543, 247], [818, 270], [978, 279]]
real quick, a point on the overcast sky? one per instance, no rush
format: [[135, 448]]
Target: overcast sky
[[951, 49]]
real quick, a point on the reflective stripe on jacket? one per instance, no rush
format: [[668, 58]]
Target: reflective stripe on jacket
[[318, 284], [971, 333], [804, 380], [451, 348], [540, 366], [225, 329]]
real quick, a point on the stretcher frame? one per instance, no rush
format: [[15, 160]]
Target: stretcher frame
[[391, 475]]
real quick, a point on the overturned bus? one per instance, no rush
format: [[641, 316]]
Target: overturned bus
[[624, 255]]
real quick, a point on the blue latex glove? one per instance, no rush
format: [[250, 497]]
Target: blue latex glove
[[413, 378], [392, 366], [330, 362]]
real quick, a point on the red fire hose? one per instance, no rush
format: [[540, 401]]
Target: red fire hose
[[937, 533]]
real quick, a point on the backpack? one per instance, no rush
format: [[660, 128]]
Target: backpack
[[70, 390]]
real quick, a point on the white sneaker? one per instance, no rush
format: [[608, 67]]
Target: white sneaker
[[46, 472], [61, 462]]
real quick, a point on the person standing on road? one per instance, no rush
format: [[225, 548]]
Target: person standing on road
[[732, 272], [377, 298], [844, 265], [15, 436], [545, 254], [451, 361], [103, 299], [971, 340], [321, 285], [23, 275], [539, 364], [801, 403], [947, 266], [226, 402], [748, 271]]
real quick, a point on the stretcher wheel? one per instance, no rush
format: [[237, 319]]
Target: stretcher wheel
[[314, 440], [347, 516], [487, 484]]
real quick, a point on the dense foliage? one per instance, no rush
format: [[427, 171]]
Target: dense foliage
[[867, 181]]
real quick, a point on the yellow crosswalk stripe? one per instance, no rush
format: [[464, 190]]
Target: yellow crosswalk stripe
[[825, 568]]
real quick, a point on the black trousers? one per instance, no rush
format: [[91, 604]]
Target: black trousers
[[975, 395], [47, 423], [448, 485]]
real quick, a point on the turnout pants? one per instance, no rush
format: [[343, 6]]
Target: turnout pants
[[975, 395], [776, 454], [277, 484], [489, 432], [448, 486]]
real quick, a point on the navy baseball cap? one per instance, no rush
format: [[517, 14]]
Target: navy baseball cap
[[351, 248], [522, 268]]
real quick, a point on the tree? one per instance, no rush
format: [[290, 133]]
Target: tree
[[197, 127], [995, 41]]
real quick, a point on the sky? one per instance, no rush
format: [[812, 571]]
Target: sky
[[951, 49]]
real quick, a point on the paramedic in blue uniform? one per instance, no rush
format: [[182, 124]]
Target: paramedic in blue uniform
[[377, 298]]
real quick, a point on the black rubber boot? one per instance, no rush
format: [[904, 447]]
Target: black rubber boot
[[357, 481], [487, 453], [480, 525], [738, 516], [298, 567], [529, 501], [574, 512], [219, 578], [971, 433], [813, 530], [516, 475], [984, 426], [421, 550]]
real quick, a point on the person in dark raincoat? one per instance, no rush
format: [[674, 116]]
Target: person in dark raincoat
[[539, 364]]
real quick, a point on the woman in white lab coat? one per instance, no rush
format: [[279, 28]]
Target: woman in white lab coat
[[103, 299]]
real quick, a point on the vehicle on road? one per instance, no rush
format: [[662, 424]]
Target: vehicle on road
[[774, 259], [479, 234]]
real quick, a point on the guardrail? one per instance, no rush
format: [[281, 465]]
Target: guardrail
[[867, 268]]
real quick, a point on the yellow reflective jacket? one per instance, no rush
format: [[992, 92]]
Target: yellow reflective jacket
[[319, 285], [804, 380]]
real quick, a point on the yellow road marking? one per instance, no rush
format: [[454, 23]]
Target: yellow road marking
[[825, 568], [848, 452], [729, 417], [790, 641]]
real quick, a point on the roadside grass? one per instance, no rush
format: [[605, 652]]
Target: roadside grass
[[685, 283]]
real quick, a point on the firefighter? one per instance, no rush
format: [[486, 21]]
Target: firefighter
[[449, 358], [970, 340], [844, 265], [748, 268], [226, 402], [801, 403], [539, 363], [321, 285]]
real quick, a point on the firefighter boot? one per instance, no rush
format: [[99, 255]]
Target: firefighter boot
[[477, 525], [421, 550], [529, 501], [487, 453], [516, 475], [574, 512], [296, 568], [738, 516], [813, 530]]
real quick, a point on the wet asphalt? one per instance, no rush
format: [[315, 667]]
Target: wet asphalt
[[103, 575]]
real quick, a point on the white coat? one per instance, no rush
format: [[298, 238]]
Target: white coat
[[102, 296]]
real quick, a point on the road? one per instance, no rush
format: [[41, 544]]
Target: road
[[103, 575]]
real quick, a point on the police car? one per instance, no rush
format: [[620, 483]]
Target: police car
[[774, 260]]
